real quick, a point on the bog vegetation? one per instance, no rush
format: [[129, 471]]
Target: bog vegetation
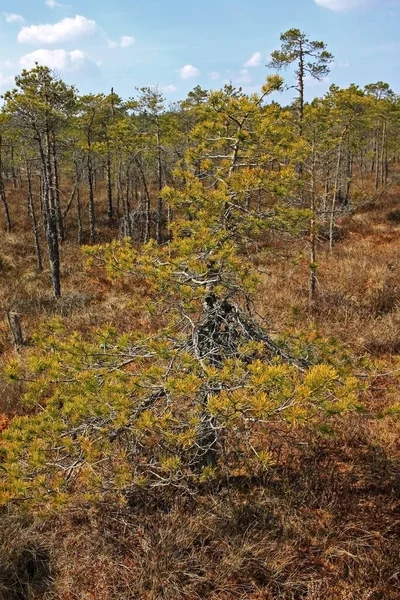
[[200, 340]]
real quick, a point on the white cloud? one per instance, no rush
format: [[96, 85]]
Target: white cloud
[[343, 5], [189, 71], [13, 18], [54, 4], [125, 41], [254, 60], [63, 31], [169, 89], [58, 59], [214, 75]]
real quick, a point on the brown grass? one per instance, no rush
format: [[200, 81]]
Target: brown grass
[[323, 525]]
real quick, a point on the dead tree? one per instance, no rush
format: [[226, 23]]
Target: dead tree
[[14, 325], [222, 329]]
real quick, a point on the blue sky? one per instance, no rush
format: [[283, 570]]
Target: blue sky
[[177, 44]]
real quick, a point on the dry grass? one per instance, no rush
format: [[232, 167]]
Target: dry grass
[[323, 525]]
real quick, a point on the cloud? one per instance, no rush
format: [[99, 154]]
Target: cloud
[[214, 75], [169, 89], [13, 18], [58, 59], [125, 41], [63, 31], [189, 71], [343, 5], [54, 4], [254, 60]]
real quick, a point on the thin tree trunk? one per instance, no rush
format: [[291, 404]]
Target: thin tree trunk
[[127, 204], [301, 89], [110, 209], [32, 214], [5, 205], [377, 163], [313, 234], [334, 195], [3, 196], [50, 213], [349, 178], [14, 324], [92, 215], [56, 192], [383, 148], [326, 195], [78, 174], [147, 233], [160, 187], [13, 172]]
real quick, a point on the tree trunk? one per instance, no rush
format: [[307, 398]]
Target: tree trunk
[[56, 192], [382, 156], [110, 210], [377, 162], [313, 234], [50, 212], [127, 204], [3, 196], [32, 214], [13, 172], [147, 234], [78, 204], [160, 187], [334, 195], [300, 78], [14, 324], [92, 215], [5, 205]]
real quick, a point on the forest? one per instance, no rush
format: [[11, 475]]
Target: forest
[[199, 340]]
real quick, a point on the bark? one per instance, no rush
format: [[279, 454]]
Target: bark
[[300, 78], [32, 215], [313, 235], [13, 171], [50, 211], [14, 325], [92, 214], [127, 204], [148, 200], [349, 177], [4, 203], [56, 192], [335, 193], [110, 208], [160, 187], [78, 175], [383, 149], [3, 196], [377, 162]]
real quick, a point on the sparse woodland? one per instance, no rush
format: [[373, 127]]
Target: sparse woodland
[[200, 340]]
